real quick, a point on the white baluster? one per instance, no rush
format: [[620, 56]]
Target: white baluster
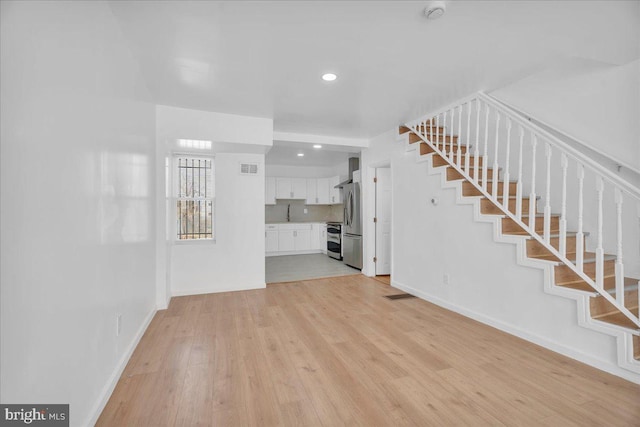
[[459, 152], [431, 129], [453, 111], [466, 154], [563, 215], [599, 248], [619, 264], [547, 203], [494, 187], [505, 187], [476, 153], [519, 183], [532, 195], [444, 135], [485, 156], [580, 234], [437, 132]]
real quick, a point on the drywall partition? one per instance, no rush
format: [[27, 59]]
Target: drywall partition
[[235, 260], [596, 103], [77, 132], [484, 280]]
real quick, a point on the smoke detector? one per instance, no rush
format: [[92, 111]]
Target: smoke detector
[[435, 10]]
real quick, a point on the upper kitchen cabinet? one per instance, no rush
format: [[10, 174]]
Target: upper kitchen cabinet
[[334, 193], [312, 191], [270, 191], [291, 188], [299, 188], [283, 188], [315, 191], [322, 188]]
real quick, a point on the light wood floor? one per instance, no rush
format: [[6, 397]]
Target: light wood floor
[[334, 352]]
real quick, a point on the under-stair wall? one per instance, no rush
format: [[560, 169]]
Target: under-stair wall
[[485, 280]]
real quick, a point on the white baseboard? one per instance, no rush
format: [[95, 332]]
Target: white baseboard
[[182, 293], [521, 333], [94, 414], [312, 251]]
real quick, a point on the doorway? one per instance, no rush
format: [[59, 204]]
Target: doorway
[[383, 191]]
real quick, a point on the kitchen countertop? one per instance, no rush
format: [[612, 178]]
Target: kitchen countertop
[[300, 222]]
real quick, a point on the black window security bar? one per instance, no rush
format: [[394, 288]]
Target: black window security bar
[[195, 199]]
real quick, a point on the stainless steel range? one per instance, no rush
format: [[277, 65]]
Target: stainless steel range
[[334, 240]]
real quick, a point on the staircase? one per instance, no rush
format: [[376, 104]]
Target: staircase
[[496, 156]]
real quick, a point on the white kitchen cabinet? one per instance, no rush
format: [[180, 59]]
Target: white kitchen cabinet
[[291, 188], [302, 240], [312, 191], [334, 193], [315, 236], [322, 191], [271, 241], [283, 188], [299, 188], [270, 191], [286, 240], [323, 238]]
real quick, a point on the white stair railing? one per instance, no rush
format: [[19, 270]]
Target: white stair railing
[[606, 197]]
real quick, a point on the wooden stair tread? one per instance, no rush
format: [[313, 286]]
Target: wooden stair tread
[[569, 234], [619, 319]]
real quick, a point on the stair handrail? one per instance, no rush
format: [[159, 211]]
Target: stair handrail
[[521, 118], [424, 128]]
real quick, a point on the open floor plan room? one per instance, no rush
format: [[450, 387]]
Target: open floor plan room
[[335, 351]]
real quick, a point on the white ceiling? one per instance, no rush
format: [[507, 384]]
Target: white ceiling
[[286, 153], [265, 58]]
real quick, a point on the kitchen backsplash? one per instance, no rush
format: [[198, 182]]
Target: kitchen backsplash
[[315, 213]]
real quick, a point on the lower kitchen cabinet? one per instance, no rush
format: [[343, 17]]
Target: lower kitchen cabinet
[[286, 240], [271, 240], [292, 238]]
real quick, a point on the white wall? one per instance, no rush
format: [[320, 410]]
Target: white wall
[[235, 261], [594, 102], [485, 280], [77, 203], [341, 170]]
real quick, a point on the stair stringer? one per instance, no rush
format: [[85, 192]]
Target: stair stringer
[[623, 336]]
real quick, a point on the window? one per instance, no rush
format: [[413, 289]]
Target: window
[[195, 196]]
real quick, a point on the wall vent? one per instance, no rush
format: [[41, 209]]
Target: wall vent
[[248, 168]]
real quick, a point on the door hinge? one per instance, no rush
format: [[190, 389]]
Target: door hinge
[[375, 259], [375, 179], [375, 219]]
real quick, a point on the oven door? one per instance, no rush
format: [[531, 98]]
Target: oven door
[[334, 246]]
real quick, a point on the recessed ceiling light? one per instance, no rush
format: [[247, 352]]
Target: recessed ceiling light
[[329, 77], [435, 10], [317, 146], [300, 154]]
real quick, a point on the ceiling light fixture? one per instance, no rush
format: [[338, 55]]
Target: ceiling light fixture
[[300, 154], [329, 77], [435, 10], [317, 146]]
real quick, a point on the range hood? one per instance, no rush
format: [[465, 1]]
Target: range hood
[[354, 165]]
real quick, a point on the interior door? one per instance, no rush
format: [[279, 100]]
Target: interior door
[[383, 221]]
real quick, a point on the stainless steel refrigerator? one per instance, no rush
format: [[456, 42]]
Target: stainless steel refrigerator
[[352, 227]]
